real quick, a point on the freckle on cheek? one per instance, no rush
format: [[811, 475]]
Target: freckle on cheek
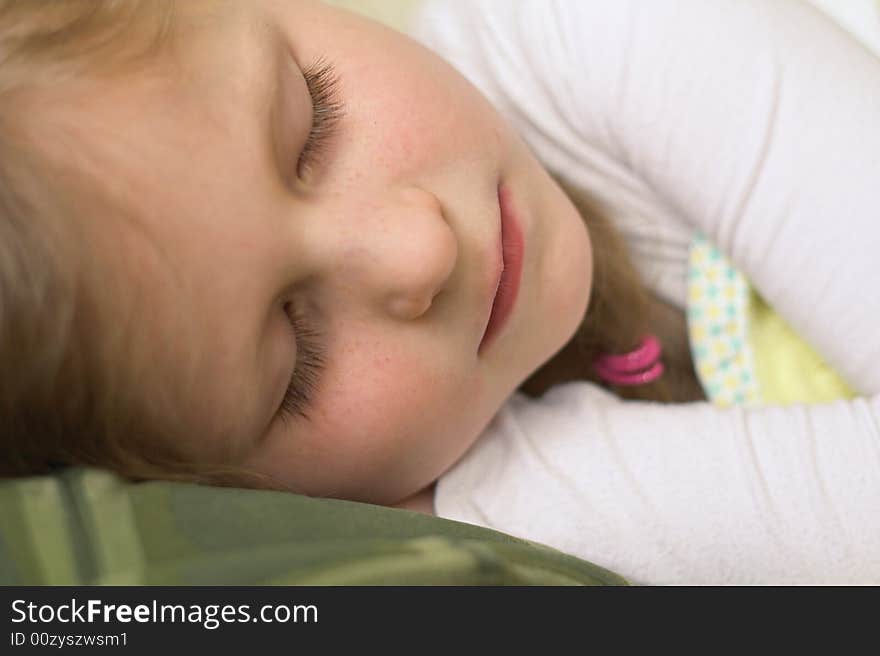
[[404, 145]]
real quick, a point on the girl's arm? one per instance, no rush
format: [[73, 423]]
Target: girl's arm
[[681, 494], [754, 122]]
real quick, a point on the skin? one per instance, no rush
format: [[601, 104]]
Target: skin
[[390, 245]]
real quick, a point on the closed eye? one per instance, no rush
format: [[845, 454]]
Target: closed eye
[[327, 109], [310, 361]]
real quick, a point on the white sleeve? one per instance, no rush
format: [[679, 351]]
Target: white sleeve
[[754, 122], [681, 494]]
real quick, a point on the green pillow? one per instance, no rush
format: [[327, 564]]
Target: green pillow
[[89, 527]]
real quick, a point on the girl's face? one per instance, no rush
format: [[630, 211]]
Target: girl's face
[[260, 248]]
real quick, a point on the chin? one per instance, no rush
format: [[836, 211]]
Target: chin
[[564, 295], [571, 279]]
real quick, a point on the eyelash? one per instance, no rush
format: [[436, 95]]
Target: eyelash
[[310, 360], [327, 109]]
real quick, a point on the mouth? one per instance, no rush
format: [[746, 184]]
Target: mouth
[[512, 249]]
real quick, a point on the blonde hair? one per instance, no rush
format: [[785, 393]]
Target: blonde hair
[[63, 396], [62, 384], [621, 311]]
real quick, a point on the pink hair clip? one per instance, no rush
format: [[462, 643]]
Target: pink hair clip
[[638, 367]]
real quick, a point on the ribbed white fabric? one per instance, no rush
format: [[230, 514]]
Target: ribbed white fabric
[[758, 124]]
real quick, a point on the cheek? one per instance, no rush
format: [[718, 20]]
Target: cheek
[[391, 396], [414, 109], [391, 426]]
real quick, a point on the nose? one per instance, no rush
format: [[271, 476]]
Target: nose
[[420, 254], [401, 252]]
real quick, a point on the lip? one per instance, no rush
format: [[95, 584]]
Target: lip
[[512, 250]]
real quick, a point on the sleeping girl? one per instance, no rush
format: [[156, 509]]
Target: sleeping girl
[[274, 244]]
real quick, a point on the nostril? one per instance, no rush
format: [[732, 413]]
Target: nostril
[[410, 308]]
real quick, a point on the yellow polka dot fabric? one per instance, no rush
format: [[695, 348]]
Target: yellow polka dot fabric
[[744, 353], [717, 319]]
